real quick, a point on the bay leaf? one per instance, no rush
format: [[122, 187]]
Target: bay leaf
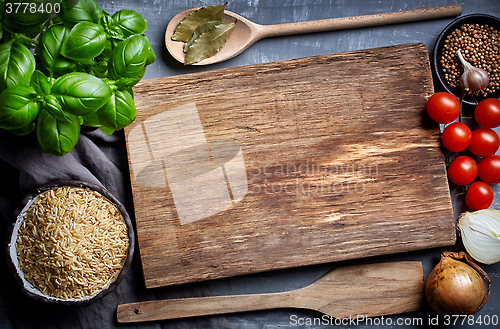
[[209, 43], [190, 23], [205, 27]]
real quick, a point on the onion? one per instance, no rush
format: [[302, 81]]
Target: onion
[[480, 232], [455, 288]]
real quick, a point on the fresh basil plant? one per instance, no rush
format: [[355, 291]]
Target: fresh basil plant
[[77, 67]]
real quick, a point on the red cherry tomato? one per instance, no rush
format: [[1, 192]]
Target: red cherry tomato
[[488, 169], [484, 142], [479, 196], [487, 113], [456, 136], [462, 170], [443, 107]]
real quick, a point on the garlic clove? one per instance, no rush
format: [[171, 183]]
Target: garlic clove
[[480, 232], [473, 78]]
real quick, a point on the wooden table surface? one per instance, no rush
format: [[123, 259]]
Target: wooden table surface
[[18, 312]]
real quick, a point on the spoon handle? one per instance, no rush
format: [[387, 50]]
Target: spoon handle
[[199, 306], [360, 21]]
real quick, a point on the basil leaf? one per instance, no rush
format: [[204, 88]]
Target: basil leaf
[[85, 40], [82, 11], [40, 83], [111, 30], [129, 22], [49, 49], [205, 27], [17, 64], [100, 69], [208, 44], [124, 83], [52, 105], [129, 58], [57, 137], [80, 93], [19, 106], [118, 112], [107, 50], [91, 120], [23, 130], [107, 131], [190, 23], [151, 54]]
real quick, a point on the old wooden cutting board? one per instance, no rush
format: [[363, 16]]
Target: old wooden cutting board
[[287, 164]]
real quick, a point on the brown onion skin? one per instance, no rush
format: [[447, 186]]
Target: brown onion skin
[[454, 288]]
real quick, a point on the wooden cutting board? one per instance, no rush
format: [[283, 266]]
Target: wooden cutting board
[[286, 164]]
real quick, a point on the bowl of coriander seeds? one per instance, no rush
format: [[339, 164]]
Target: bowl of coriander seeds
[[71, 243], [477, 36]]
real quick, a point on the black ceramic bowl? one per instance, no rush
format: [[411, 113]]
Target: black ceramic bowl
[[438, 48], [26, 287]]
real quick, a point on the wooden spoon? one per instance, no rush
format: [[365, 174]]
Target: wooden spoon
[[247, 33], [360, 290]]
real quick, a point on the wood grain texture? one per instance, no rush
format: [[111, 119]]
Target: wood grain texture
[[360, 290], [340, 161]]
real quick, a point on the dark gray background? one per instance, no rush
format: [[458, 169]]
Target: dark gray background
[[102, 159]]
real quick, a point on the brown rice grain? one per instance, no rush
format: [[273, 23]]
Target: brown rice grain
[[72, 243]]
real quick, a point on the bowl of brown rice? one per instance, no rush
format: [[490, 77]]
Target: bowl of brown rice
[[478, 38], [72, 243]]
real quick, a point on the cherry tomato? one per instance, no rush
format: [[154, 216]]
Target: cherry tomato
[[484, 142], [456, 136], [488, 169], [443, 107], [462, 170], [479, 196], [487, 113]]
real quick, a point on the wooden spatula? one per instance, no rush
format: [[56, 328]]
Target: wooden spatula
[[360, 290]]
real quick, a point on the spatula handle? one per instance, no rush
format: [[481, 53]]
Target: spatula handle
[[199, 306], [360, 21]]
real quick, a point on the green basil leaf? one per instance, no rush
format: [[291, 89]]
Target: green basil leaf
[[73, 12], [118, 112], [208, 44], [23, 130], [111, 30], [19, 106], [190, 23], [17, 64], [129, 22], [205, 27], [57, 137], [86, 40], [129, 58], [107, 131], [100, 69], [107, 50], [52, 105], [91, 120], [80, 93], [124, 83], [151, 54], [49, 49], [40, 83]]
